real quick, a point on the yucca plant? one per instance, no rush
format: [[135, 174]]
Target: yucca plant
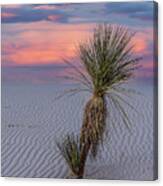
[[107, 61], [70, 150]]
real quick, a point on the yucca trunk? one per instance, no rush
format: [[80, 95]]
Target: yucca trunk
[[92, 129]]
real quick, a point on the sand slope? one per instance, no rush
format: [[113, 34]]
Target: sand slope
[[32, 121]]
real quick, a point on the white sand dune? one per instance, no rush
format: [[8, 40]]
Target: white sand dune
[[32, 122]]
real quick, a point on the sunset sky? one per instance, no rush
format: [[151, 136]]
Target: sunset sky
[[36, 38]]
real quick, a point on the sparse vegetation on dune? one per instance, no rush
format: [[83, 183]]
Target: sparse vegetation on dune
[[108, 62]]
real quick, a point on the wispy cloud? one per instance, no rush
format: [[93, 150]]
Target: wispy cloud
[[7, 15], [43, 44], [140, 10], [89, 12], [45, 7], [36, 36]]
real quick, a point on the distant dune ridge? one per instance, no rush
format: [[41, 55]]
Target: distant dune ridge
[[32, 122]]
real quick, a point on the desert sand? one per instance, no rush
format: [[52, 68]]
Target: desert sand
[[32, 122]]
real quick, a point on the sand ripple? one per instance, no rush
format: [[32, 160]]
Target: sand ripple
[[32, 122]]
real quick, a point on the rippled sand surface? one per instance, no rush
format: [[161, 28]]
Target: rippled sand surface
[[32, 122]]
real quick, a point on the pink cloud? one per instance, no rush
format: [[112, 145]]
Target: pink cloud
[[7, 15], [45, 7], [12, 6], [141, 41], [48, 43], [43, 43], [148, 65], [53, 17]]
